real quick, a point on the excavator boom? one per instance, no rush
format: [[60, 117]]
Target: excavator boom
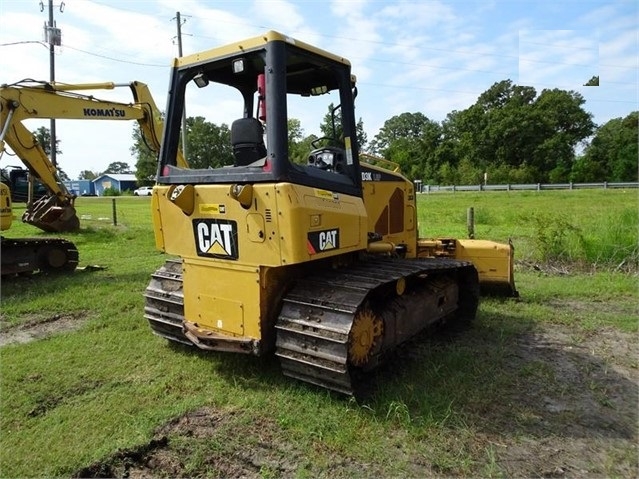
[[28, 100], [55, 211]]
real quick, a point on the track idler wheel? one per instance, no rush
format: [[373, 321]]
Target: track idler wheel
[[59, 256]]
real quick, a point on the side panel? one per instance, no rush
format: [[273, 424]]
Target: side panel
[[277, 229], [316, 223], [390, 202], [219, 230]]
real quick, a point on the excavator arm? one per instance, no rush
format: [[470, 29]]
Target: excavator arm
[[29, 99]]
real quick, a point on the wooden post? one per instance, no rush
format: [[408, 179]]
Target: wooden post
[[115, 215], [470, 222]]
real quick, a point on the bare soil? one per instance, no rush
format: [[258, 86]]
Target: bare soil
[[571, 412], [40, 327]]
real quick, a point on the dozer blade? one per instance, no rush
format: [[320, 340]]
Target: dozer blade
[[494, 261], [48, 214]]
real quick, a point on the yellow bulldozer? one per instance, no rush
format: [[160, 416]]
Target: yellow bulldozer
[[320, 263]]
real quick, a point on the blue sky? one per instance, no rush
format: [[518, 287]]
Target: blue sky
[[427, 56]]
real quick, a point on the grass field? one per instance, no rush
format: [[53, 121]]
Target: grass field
[[543, 385]]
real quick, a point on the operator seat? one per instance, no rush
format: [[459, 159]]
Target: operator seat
[[248, 141]]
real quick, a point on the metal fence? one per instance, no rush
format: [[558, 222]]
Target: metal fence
[[526, 187]]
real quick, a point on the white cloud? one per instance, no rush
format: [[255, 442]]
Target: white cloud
[[557, 58], [419, 15], [280, 14]]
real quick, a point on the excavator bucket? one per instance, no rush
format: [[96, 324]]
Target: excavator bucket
[[48, 214]]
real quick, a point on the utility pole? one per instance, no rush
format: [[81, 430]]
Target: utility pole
[[53, 36], [179, 41]]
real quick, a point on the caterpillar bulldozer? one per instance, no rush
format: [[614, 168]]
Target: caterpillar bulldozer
[[321, 262], [50, 205]]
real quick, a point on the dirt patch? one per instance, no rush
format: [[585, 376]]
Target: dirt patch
[[575, 413], [39, 328], [571, 411], [252, 452]]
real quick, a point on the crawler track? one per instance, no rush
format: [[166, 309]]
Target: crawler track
[[335, 325], [317, 330], [164, 307], [28, 255]]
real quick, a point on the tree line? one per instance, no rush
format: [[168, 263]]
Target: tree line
[[512, 134]]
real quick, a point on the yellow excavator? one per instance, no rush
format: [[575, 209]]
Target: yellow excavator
[[320, 263], [55, 210]]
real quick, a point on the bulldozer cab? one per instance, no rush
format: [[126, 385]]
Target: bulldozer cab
[[257, 85]]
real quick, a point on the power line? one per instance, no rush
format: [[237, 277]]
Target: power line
[[412, 87], [23, 43], [375, 42], [443, 50], [554, 45], [117, 59], [88, 53]]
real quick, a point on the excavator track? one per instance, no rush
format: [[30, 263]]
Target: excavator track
[[336, 325], [28, 255]]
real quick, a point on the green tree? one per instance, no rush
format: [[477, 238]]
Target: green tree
[[43, 135], [209, 144], [87, 175], [209, 147], [612, 154], [146, 159], [62, 174], [410, 140], [334, 119], [510, 127], [594, 81], [407, 125], [118, 167], [564, 124], [299, 146]]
